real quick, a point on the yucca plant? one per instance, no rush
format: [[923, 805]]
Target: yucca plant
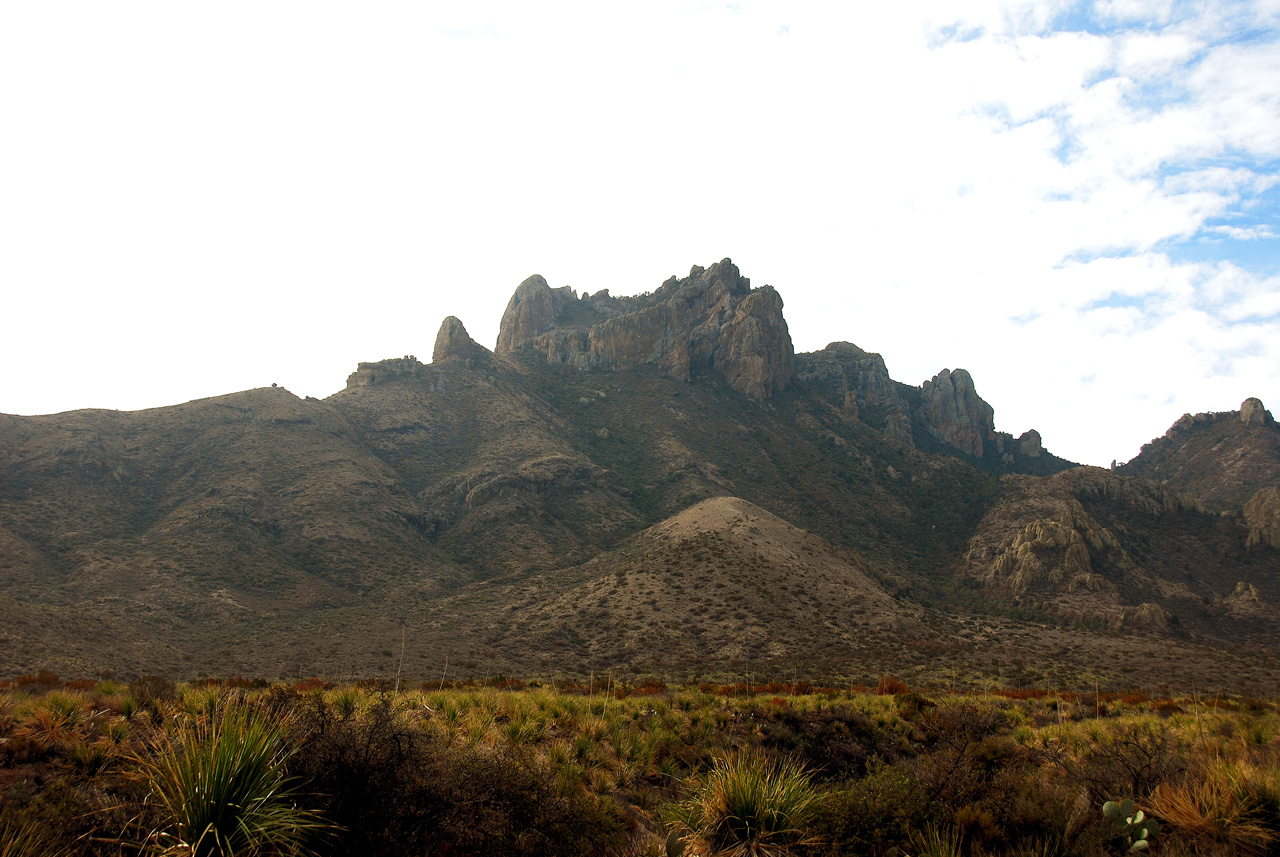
[[748, 807], [221, 790], [345, 702]]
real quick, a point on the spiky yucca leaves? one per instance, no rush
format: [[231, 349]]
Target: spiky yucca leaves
[[749, 807], [221, 790]]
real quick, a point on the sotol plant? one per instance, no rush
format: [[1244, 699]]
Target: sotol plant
[[221, 790], [747, 807]]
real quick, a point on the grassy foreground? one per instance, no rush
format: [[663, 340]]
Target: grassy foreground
[[107, 768]]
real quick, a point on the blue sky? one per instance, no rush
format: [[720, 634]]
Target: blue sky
[[1077, 202]]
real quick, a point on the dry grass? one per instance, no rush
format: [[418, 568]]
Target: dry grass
[[1222, 805]]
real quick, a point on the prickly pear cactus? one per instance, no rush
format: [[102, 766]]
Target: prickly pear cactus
[[1130, 827]]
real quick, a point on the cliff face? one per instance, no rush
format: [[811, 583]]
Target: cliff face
[[1066, 546], [710, 321], [952, 411], [1262, 516], [862, 386], [946, 408]]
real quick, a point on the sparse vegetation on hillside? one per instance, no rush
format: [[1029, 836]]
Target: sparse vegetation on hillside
[[1216, 458]]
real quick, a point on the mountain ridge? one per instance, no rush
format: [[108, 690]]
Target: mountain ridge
[[262, 532]]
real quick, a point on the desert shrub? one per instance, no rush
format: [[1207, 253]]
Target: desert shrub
[[54, 814], [396, 790], [501, 801], [57, 726], [39, 682], [220, 789], [748, 807], [958, 756], [935, 841], [152, 688], [873, 814], [891, 685], [1127, 760], [833, 744], [27, 840]]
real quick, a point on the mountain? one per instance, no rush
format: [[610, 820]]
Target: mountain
[[1220, 458], [649, 483]]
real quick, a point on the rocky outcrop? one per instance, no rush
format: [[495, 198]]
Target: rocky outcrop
[[384, 371], [952, 411], [754, 351], [859, 382], [1262, 516], [1029, 444], [1060, 545], [1253, 413], [710, 321], [453, 343], [530, 311]]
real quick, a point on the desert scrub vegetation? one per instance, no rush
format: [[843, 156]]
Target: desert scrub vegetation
[[243, 767]]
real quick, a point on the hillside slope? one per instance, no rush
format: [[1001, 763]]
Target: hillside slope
[[1221, 459]]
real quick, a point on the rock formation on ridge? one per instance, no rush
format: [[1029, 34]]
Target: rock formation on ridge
[[711, 321], [453, 342], [861, 384], [952, 411], [1253, 413]]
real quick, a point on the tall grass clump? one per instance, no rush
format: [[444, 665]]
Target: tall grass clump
[[1230, 805], [220, 789], [748, 807], [25, 841]]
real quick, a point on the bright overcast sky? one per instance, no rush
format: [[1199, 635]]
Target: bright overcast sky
[[1077, 202]]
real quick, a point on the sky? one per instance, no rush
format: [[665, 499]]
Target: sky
[[1077, 202]]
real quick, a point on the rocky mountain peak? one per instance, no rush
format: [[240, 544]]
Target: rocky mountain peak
[[530, 311], [1252, 412], [453, 342], [954, 413], [709, 322]]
